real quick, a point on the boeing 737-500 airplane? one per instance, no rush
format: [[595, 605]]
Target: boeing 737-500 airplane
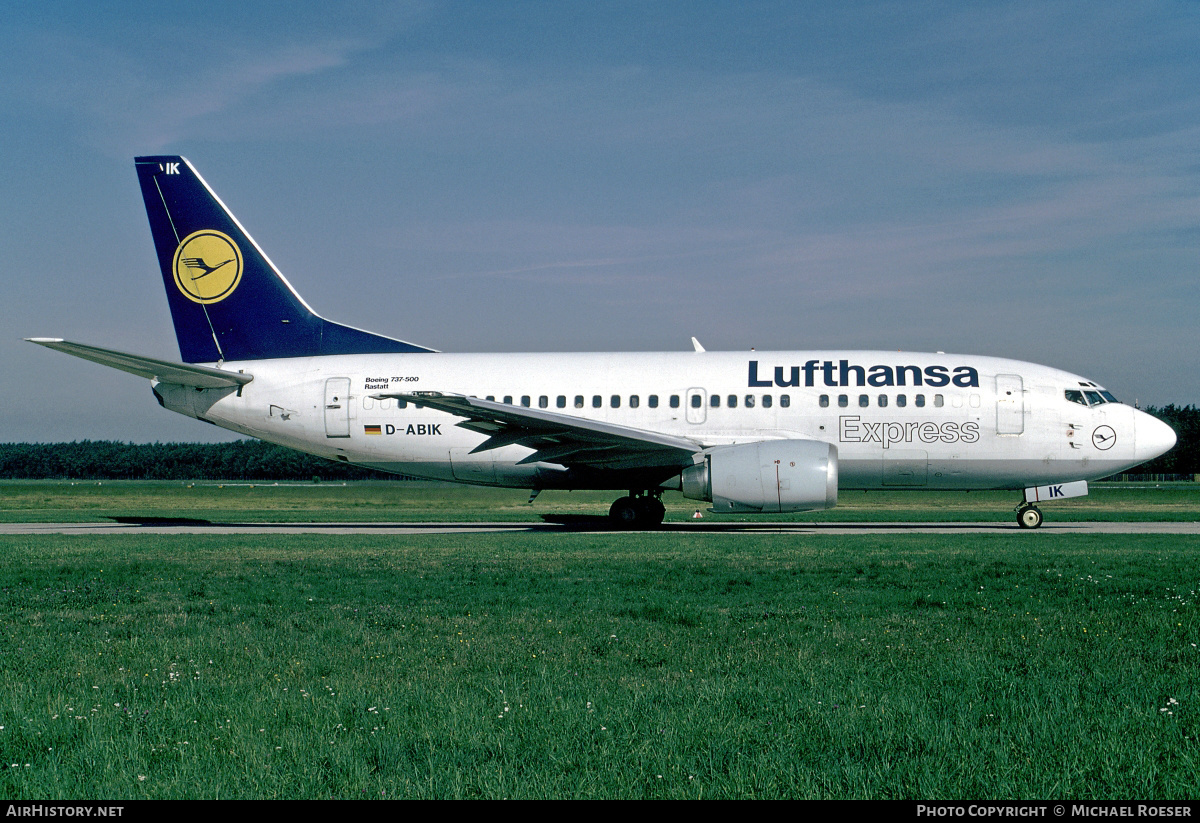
[[762, 432]]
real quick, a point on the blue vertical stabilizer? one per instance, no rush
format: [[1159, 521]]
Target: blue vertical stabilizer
[[228, 301]]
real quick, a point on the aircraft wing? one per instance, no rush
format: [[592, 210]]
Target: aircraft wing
[[558, 438], [164, 371]]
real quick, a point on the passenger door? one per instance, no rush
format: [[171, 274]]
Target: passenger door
[[1010, 404], [337, 407]]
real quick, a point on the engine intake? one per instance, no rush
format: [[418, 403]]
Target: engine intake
[[767, 477]]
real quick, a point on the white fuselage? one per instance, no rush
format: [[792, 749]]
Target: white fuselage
[[898, 420]]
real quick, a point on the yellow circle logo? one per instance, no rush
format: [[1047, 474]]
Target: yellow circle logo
[[208, 266]]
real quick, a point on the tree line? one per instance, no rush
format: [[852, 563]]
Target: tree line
[[256, 460], [1185, 457], [111, 460]]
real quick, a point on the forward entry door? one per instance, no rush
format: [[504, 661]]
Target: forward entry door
[[1010, 404]]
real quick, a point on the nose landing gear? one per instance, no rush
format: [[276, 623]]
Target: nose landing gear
[[1028, 516], [640, 510]]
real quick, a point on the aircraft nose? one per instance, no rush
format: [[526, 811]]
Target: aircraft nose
[[1153, 437]]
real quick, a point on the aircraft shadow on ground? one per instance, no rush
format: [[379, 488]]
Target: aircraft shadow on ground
[[162, 521], [565, 523]]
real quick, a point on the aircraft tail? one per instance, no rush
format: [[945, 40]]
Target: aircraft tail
[[228, 301]]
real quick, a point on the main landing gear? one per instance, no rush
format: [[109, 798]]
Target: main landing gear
[[640, 510], [1028, 516]]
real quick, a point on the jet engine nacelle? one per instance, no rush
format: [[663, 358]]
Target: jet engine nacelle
[[767, 477]]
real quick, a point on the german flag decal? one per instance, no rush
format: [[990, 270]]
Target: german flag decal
[[372, 429]]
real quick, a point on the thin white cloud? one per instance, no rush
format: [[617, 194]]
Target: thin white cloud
[[117, 97]]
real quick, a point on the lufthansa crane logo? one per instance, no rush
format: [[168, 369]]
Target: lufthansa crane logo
[[1104, 437], [208, 266]]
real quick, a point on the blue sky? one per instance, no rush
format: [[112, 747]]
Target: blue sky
[[1016, 179]]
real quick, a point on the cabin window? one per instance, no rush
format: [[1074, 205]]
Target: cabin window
[[543, 402], [938, 402], [843, 401], [579, 401], [491, 397], [901, 400], [732, 401], [508, 399], [785, 400], [402, 404], [864, 401], [368, 402], [634, 401], [615, 401], [597, 401], [883, 400], [652, 401], [675, 401], [561, 401], [697, 402], [919, 401], [525, 400], [824, 401], [767, 401], [749, 401]]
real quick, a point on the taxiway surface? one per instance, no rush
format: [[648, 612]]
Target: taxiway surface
[[585, 525]]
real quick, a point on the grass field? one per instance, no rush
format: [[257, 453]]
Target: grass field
[[615, 665], [82, 501]]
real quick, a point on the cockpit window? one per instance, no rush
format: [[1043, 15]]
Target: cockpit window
[[1089, 398]]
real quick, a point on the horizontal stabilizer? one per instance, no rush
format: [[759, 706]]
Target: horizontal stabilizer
[[164, 371]]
